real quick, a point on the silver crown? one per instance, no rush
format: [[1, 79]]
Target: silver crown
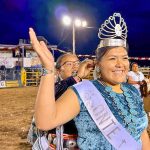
[[113, 32]]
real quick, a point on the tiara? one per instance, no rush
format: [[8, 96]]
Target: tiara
[[113, 32]]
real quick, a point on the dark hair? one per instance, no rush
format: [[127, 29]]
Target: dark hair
[[131, 64], [60, 58], [134, 63], [100, 52]]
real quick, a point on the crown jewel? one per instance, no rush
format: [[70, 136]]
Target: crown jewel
[[113, 31], [113, 27]]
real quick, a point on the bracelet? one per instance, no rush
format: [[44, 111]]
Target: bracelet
[[45, 71]]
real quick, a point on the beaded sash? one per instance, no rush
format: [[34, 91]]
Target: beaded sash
[[113, 131]]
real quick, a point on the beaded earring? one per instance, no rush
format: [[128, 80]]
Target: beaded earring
[[96, 73], [97, 69]]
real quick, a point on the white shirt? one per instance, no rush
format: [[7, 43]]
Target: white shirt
[[136, 77]]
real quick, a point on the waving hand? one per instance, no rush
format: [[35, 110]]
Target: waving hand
[[41, 49]]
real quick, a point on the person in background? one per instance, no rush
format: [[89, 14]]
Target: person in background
[[108, 113], [147, 79], [69, 71], [135, 77]]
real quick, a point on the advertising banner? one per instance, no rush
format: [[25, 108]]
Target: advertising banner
[[2, 84]]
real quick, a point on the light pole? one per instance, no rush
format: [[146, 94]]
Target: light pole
[[75, 23], [73, 38]]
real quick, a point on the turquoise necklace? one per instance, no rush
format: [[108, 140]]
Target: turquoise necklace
[[126, 108]]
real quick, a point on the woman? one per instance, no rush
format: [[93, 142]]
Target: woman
[[68, 69], [110, 98], [137, 79]]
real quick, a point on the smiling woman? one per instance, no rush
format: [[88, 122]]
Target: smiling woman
[[114, 56], [108, 113]]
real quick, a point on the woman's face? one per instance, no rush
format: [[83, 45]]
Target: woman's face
[[114, 66], [135, 67], [69, 65]]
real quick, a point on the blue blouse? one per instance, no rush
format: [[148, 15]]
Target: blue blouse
[[127, 107]]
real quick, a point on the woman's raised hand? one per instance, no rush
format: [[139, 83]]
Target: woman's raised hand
[[85, 67], [41, 49]]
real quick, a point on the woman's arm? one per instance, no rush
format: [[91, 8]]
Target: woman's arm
[[48, 113], [131, 81], [145, 140]]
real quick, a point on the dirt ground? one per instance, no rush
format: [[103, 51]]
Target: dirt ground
[[16, 110], [17, 105]]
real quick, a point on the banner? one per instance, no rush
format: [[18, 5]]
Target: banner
[[8, 62], [2, 84]]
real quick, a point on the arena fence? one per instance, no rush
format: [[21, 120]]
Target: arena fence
[[18, 78], [10, 77], [30, 76]]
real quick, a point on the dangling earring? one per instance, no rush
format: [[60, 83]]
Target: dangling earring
[[97, 69], [96, 72]]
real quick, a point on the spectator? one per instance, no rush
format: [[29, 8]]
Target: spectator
[[135, 77], [69, 69]]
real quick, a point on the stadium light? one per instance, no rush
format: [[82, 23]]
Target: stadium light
[[75, 23]]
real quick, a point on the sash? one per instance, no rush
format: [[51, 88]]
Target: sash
[[113, 131]]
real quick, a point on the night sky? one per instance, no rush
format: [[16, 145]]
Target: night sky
[[45, 17]]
